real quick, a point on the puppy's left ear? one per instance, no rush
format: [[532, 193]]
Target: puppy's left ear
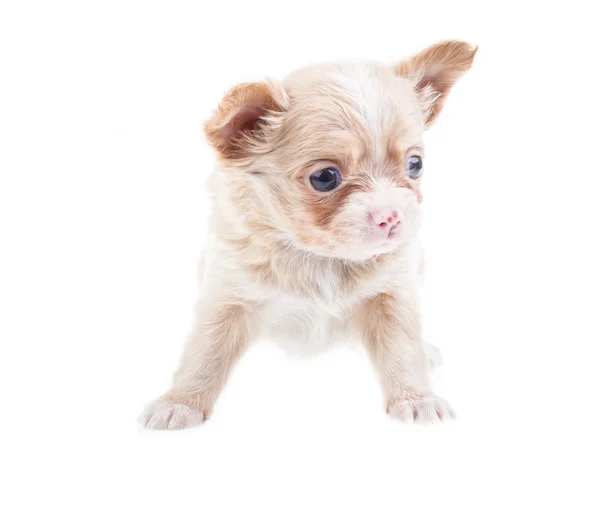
[[242, 117], [434, 71]]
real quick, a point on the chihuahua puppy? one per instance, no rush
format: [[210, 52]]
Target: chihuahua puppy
[[316, 212]]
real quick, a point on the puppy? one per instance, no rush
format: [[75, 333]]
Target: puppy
[[316, 212]]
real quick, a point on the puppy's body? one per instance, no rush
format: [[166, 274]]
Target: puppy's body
[[314, 226]]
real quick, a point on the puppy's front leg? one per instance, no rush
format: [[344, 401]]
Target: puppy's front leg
[[391, 330], [221, 332]]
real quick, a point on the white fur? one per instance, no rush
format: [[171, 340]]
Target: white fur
[[428, 410], [434, 356], [160, 415]]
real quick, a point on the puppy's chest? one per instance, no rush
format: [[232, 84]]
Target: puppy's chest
[[326, 295], [319, 313]]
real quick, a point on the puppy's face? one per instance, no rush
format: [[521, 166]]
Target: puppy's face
[[332, 158]]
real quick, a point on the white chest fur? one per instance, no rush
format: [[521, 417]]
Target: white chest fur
[[308, 319], [303, 326], [306, 324]]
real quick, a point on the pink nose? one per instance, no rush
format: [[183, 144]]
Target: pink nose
[[385, 219]]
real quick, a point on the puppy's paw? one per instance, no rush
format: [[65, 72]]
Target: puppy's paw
[[426, 410], [162, 414], [434, 356]]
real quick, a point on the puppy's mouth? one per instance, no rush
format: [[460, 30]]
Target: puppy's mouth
[[384, 242], [394, 232], [372, 243]]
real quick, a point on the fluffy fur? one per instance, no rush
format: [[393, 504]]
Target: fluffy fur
[[306, 267]]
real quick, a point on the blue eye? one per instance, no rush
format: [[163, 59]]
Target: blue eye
[[414, 167], [326, 179]]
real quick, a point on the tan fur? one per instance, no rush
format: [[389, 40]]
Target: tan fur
[[221, 334], [306, 267], [435, 70]]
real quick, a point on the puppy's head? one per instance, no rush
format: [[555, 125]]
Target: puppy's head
[[330, 160]]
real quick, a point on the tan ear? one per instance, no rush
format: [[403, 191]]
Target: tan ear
[[237, 121], [434, 71]]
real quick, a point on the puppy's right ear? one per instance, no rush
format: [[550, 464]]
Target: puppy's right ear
[[240, 120]]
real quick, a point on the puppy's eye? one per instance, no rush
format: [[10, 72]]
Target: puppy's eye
[[414, 167], [326, 179]]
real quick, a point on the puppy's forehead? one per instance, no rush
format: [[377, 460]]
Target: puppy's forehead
[[361, 99]]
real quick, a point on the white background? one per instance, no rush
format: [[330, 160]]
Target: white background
[[102, 215]]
